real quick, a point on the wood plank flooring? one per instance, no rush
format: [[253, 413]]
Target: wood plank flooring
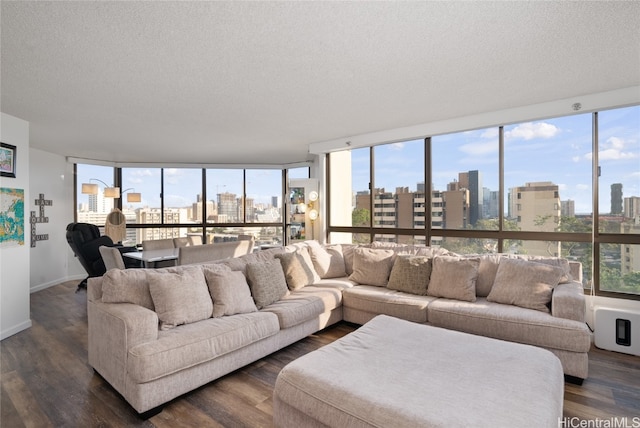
[[47, 382]]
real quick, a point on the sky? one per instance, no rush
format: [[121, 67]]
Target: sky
[[557, 150]]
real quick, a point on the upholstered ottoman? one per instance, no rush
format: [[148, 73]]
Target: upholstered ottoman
[[394, 373]]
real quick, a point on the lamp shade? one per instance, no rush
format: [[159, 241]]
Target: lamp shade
[[313, 196], [313, 214], [134, 197], [89, 189], [111, 192]]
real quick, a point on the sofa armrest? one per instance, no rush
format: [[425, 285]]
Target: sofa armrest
[[567, 301], [114, 328]]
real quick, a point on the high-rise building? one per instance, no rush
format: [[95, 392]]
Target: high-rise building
[[568, 208], [99, 204], [472, 182], [196, 210], [536, 207], [616, 198], [228, 206], [154, 216], [632, 207], [275, 201]]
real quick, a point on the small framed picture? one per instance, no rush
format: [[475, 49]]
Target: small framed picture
[[7, 160]]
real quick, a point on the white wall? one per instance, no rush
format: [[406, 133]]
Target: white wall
[[14, 261], [52, 260]]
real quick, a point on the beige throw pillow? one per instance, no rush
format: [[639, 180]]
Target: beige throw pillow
[[371, 266], [230, 292], [127, 286], [410, 274], [454, 278], [328, 261], [525, 284], [180, 298], [267, 282], [298, 268]]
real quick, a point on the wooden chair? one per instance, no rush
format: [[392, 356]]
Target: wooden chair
[[111, 257]]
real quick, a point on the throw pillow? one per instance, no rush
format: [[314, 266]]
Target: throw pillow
[[347, 253], [127, 286], [553, 261], [372, 266], [267, 282], [180, 298], [454, 278], [328, 261], [525, 284], [298, 268], [410, 274], [230, 292]]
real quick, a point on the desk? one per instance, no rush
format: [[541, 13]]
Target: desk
[[150, 257]]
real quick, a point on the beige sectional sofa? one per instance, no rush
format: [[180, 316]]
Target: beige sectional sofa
[[157, 334]]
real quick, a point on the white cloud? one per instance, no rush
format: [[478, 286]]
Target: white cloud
[[172, 171], [141, 173], [530, 130], [482, 148], [576, 158], [490, 133], [397, 146], [614, 150]]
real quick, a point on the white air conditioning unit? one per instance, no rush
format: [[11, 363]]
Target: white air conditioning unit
[[617, 330]]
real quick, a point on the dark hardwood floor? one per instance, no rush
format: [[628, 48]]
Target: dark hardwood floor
[[47, 382]]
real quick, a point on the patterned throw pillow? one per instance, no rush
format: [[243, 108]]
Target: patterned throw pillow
[[372, 266], [230, 292], [410, 274], [180, 298], [454, 278], [267, 282], [525, 284]]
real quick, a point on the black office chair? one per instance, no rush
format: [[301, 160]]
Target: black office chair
[[85, 241]]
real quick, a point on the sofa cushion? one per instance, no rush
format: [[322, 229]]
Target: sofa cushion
[[298, 268], [378, 300], [230, 292], [553, 261], [410, 274], [180, 298], [193, 344], [295, 309], [127, 286], [526, 284], [267, 282], [512, 323], [372, 267], [331, 296], [328, 261], [454, 278], [347, 254]]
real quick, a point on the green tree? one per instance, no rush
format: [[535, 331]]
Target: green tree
[[361, 217]]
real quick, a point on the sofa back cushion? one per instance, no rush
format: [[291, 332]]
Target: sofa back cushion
[[298, 268], [127, 286], [180, 297], [328, 260], [525, 284], [229, 291], [454, 277], [372, 266]]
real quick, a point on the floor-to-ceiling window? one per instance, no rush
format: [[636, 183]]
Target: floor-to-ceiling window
[[214, 204], [525, 188]]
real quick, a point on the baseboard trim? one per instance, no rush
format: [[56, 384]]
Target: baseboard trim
[[15, 329], [56, 282]]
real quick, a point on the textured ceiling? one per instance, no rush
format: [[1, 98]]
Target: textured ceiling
[[257, 82]]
